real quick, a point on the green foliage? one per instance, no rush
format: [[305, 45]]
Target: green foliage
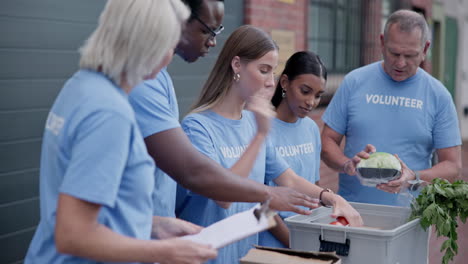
[[441, 204]]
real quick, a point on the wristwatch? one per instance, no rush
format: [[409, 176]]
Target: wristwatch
[[414, 184], [320, 197]]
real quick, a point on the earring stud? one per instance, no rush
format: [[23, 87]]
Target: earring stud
[[236, 77]]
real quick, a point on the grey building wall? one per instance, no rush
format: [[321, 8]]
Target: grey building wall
[[38, 52]]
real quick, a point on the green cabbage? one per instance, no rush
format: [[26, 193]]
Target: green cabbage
[[381, 160]]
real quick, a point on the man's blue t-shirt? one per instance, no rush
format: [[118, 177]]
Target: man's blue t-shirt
[[156, 110], [225, 140], [411, 118], [299, 144], [92, 150]]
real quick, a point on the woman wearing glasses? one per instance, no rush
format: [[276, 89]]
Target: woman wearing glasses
[[96, 176], [220, 128]]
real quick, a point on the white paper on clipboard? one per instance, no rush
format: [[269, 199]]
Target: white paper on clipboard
[[234, 228]]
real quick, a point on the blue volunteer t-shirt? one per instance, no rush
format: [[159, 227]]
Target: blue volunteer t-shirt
[[225, 140], [411, 118], [93, 150], [156, 110], [299, 145]]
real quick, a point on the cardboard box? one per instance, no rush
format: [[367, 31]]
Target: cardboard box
[[269, 255]]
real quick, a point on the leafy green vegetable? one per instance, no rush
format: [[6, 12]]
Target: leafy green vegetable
[[381, 160], [441, 204]]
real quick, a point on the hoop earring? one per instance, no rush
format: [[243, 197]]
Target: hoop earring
[[236, 77], [283, 93]]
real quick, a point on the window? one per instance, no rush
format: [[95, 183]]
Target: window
[[335, 33], [388, 6]]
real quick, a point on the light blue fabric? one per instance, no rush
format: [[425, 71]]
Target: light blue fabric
[[299, 144], [224, 140], [93, 150], [411, 118], [156, 110]]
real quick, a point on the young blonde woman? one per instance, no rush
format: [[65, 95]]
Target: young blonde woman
[[230, 122], [96, 178]]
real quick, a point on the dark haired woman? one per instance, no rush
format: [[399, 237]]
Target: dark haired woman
[[296, 138]]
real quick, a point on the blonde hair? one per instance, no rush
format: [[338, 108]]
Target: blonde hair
[[249, 43], [133, 37]]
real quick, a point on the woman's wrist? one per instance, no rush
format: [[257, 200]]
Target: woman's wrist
[[261, 135], [327, 198]]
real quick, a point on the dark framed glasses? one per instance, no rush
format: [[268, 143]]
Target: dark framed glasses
[[213, 33]]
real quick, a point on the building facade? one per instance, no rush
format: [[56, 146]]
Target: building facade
[[38, 52], [345, 33]]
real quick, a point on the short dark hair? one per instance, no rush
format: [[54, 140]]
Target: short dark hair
[[301, 62], [195, 6]]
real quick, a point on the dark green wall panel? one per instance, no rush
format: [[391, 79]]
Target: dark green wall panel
[[21, 155], [28, 94], [18, 125], [16, 33], [15, 245], [37, 64], [451, 48], [19, 186], [21, 215], [67, 10]]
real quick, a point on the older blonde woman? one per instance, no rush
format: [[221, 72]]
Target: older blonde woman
[[96, 177]]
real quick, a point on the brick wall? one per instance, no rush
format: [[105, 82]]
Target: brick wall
[[371, 29], [279, 15], [289, 18]]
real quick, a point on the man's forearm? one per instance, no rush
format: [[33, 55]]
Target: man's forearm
[[210, 179], [175, 155], [449, 166], [333, 156], [446, 170]]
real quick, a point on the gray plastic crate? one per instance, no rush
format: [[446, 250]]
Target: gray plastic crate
[[389, 240]]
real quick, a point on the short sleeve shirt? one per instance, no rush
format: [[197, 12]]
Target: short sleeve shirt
[[93, 150], [156, 110], [411, 118]]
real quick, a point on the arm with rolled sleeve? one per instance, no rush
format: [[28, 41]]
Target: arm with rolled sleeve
[[92, 180], [447, 142], [336, 119]]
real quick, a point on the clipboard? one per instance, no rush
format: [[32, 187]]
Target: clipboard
[[236, 227]]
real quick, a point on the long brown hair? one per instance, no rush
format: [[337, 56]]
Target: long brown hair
[[249, 43]]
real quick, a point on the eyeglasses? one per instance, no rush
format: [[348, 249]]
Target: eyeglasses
[[213, 33]]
